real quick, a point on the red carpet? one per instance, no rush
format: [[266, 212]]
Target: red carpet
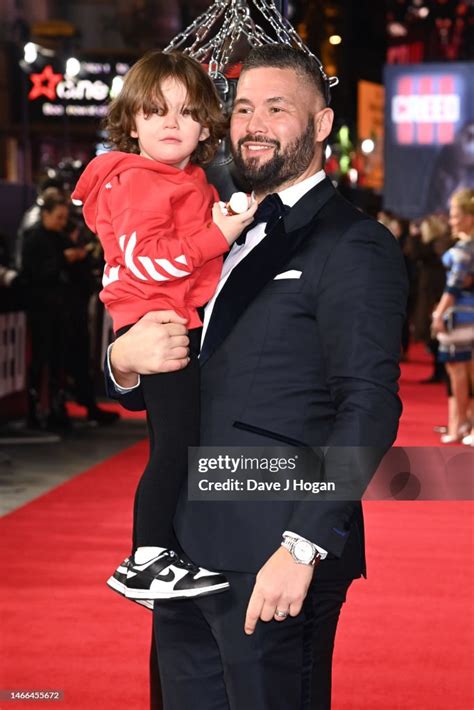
[[424, 406], [61, 627], [405, 640], [78, 412]]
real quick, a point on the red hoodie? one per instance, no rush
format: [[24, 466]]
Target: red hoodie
[[162, 249]]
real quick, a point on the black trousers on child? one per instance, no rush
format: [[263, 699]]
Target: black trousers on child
[[172, 406]]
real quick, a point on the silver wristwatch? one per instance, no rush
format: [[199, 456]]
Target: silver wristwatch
[[303, 551]]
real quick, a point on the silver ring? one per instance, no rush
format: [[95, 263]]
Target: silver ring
[[281, 614]]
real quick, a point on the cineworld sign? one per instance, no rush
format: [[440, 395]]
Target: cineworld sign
[[86, 95], [426, 108]]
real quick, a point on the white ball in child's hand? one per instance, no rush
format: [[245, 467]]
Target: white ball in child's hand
[[238, 203]]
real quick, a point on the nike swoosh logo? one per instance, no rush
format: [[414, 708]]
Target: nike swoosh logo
[[168, 577]]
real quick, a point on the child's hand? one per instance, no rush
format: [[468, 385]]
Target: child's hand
[[232, 226]]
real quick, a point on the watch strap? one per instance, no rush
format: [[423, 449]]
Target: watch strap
[[289, 542]]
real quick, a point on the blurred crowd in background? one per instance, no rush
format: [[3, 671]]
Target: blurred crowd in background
[[54, 274], [439, 257]]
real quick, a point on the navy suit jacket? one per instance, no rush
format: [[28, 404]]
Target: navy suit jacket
[[311, 361]]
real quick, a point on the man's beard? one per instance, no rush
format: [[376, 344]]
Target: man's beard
[[282, 167]]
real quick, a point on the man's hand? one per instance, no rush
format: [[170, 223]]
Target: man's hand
[[281, 585], [158, 342]]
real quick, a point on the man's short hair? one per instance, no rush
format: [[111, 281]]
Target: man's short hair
[[280, 56]]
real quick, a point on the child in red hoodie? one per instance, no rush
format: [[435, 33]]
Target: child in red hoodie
[[163, 238]]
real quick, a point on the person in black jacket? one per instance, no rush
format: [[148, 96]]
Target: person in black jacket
[[57, 280], [81, 287], [46, 254]]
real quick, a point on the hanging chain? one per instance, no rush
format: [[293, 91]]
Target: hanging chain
[[213, 36], [200, 27]]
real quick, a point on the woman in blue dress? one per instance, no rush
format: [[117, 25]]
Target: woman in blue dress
[[453, 318]]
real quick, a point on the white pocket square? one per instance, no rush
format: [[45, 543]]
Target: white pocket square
[[292, 274]]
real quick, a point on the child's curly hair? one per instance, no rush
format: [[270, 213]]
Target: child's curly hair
[[141, 91]]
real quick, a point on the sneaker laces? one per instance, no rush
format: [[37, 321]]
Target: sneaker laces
[[182, 563]]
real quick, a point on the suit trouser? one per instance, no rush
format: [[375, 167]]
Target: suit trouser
[[47, 325], [207, 662], [78, 360]]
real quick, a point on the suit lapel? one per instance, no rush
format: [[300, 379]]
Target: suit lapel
[[249, 277]]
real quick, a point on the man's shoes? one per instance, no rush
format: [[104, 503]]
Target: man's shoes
[[118, 580], [167, 576], [98, 416], [58, 421]]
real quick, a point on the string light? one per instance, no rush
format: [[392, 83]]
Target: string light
[[30, 53], [116, 88], [367, 146], [353, 176], [73, 66]]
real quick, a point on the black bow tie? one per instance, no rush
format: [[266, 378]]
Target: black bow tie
[[270, 210]]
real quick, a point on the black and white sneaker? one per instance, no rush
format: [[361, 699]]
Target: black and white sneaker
[[118, 580], [167, 576]]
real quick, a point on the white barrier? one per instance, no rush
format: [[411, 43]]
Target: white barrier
[[12, 353]]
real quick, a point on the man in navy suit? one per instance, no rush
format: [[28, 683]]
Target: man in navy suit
[[300, 348]]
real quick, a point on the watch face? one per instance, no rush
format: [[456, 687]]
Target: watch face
[[304, 551]]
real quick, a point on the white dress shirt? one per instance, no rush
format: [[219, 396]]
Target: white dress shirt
[[289, 197]]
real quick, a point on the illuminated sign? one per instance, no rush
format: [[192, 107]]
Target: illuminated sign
[[84, 89], [55, 94], [370, 125], [44, 84], [71, 110], [406, 53], [426, 109], [429, 130]]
